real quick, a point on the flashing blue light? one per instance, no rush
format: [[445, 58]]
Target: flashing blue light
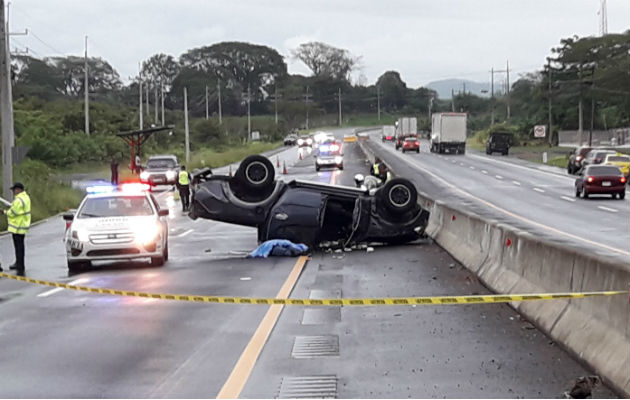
[[100, 189]]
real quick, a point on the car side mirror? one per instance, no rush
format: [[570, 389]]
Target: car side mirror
[[163, 212], [69, 216], [359, 179]]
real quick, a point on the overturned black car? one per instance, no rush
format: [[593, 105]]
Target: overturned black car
[[308, 212]]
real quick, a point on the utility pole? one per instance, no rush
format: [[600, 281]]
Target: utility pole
[[307, 100], [156, 104], [140, 95], [186, 131], [147, 99], [378, 101], [219, 90], [430, 108], [590, 133], [549, 104], [249, 115], [207, 113], [580, 110], [492, 97], [162, 101], [452, 100], [507, 71], [86, 90], [339, 99], [6, 107], [275, 101]]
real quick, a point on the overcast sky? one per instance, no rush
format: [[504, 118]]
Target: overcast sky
[[425, 40]]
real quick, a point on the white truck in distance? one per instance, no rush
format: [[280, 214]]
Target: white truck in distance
[[448, 133], [405, 127], [389, 133]]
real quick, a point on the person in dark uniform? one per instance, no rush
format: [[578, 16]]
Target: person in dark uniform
[[114, 168]]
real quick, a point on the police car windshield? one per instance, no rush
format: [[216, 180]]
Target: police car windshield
[[132, 206], [161, 163]]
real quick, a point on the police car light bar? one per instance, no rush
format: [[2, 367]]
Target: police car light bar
[[100, 189], [134, 187]]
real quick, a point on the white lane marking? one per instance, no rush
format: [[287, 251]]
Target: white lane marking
[[49, 292], [461, 163], [246, 278], [539, 190], [57, 290], [511, 214], [484, 171], [498, 176], [184, 234], [517, 183], [547, 173], [608, 209], [471, 167], [567, 199]]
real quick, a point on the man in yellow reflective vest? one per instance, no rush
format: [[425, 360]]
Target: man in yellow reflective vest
[[19, 221], [183, 185]]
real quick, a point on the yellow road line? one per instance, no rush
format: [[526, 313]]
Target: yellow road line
[[238, 377]]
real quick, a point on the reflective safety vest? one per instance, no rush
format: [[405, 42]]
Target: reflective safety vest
[[375, 168], [19, 215], [183, 178]]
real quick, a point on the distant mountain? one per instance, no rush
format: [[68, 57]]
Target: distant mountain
[[444, 87]]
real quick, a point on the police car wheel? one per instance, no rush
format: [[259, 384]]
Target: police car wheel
[[78, 266], [157, 261]]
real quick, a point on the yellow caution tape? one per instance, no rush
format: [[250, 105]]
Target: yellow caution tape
[[385, 301]]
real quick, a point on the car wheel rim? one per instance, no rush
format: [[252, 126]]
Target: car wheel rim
[[399, 195], [256, 172]]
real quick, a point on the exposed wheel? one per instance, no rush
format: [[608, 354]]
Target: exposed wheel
[[418, 151], [505, 153], [403, 151], [157, 261], [398, 195], [584, 193], [577, 192], [165, 253], [488, 152], [256, 173], [622, 195], [317, 168], [340, 166]]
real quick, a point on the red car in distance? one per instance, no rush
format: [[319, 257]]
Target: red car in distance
[[601, 179], [411, 144]]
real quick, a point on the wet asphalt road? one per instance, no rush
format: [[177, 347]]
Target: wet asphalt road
[[533, 197], [74, 344]]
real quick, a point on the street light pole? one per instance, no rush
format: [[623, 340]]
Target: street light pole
[[378, 101], [86, 91], [6, 108]]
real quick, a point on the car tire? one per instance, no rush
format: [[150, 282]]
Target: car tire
[[418, 151], [340, 166], [584, 193], [78, 266], [165, 252], [317, 168], [505, 153], [622, 195], [157, 261], [577, 193], [256, 173], [398, 196]]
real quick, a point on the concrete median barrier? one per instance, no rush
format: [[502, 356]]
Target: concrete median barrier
[[509, 260]]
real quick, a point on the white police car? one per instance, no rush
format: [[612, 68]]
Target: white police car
[[116, 223]]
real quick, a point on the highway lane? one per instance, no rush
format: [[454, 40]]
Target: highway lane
[[519, 193], [74, 344]]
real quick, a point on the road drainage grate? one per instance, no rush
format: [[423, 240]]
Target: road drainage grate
[[315, 346], [308, 387]]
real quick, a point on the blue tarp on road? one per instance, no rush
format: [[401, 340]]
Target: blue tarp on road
[[279, 247]]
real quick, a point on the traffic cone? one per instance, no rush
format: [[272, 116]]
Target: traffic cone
[[284, 168], [277, 161], [230, 171]]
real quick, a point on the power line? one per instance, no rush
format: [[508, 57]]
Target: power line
[[46, 44]]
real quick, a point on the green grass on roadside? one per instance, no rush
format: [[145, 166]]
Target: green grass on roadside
[[213, 159]]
